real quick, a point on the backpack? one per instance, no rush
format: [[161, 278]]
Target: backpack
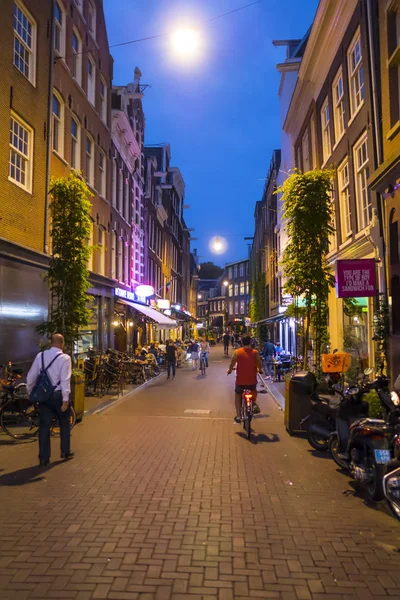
[[43, 389]]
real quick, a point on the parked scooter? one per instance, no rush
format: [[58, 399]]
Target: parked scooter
[[364, 447], [320, 423]]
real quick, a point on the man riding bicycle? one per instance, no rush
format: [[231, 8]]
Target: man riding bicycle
[[248, 363]]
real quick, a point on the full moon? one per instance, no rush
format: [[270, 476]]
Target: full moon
[[186, 43], [218, 245]]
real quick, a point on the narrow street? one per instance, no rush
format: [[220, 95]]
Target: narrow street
[[160, 503]]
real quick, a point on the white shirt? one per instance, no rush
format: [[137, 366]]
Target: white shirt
[[60, 371]]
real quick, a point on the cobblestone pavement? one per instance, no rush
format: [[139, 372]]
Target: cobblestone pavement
[[159, 504]]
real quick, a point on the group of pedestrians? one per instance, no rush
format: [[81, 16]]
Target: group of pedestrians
[[196, 349]]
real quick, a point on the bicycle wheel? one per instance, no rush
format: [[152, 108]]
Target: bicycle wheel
[[55, 428], [20, 425], [247, 424]]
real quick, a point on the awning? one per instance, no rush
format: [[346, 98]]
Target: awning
[[162, 320]]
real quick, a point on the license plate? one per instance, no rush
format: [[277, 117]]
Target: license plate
[[382, 456]]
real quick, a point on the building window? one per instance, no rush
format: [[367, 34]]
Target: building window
[[120, 190], [247, 287], [76, 57], [363, 198], [103, 101], [91, 20], [120, 259], [236, 307], [356, 74], [241, 269], [393, 45], [230, 310], [344, 199], [102, 251], [102, 173], [230, 273], [59, 29], [242, 288], [236, 289], [230, 290], [89, 242], [21, 155], [126, 197], [338, 105], [58, 124], [235, 271], [24, 42], [113, 255], [313, 161], [91, 81], [89, 161], [305, 149], [75, 144], [114, 183], [242, 307], [326, 131]]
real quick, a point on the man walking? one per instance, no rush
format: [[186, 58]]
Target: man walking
[[226, 343], [58, 369], [172, 353], [269, 353]]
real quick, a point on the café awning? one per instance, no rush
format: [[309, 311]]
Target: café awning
[[162, 320]]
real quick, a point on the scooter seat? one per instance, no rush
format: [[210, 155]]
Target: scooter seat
[[332, 401]]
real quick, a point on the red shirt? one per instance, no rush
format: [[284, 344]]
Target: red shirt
[[246, 366]]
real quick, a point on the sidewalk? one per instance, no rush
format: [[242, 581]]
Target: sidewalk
[[276, 389]]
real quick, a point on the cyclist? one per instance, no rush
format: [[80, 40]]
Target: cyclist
[[248, 363]]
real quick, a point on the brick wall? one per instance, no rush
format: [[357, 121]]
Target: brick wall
[[22, 213]]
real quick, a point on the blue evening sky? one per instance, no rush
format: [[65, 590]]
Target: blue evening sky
[[221, 113]]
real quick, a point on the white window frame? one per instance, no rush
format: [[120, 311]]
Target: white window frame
[[344, 199], [326, 131], [91, 80], [77, 58], [102, 173], [361, 174], [242, 288], [29, 47], [356, 80], [120, 259], [236, 292], [102, 250], [236, 307], [60, 29], [230, 290], [91, 20], [114, 183], [21, 156], [103, 100], [338, 106], [113, 255], [57, 125], [76, 144], [241, 270], [89, 161]]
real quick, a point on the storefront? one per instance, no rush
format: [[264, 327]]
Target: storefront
[[97, 334]]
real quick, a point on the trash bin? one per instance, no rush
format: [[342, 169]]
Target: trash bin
[[78, 393], [301, 386]]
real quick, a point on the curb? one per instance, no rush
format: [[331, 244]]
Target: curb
[[108, 403], [280, 403]]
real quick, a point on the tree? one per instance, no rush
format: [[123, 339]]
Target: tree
[[70, 209], [308, 215], [208, 270]]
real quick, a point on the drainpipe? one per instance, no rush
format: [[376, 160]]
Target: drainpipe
[[48, 132]]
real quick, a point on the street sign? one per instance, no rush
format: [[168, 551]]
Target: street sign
[[356, 278]]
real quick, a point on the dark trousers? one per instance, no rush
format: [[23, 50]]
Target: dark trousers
[[171, 365], [226, 347], [47, 412]]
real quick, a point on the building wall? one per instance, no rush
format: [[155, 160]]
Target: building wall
[[237, 303], [22, 213]]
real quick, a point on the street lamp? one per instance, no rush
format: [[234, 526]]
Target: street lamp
[[199, 297], [226, 283]]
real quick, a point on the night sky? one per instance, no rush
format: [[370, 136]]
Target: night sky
[[220, 113]]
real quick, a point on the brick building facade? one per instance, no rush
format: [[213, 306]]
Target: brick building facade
[[25, 62]]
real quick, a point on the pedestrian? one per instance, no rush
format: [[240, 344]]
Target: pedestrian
[[172, 352], [269, 353], [58, 369], [226, 343], [278, 348], [194, 352]]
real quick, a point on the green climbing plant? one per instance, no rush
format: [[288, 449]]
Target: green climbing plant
[[308, 214], [70, 209], [257, 303]]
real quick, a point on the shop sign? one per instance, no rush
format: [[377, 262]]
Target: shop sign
[[121, 293], [163, 303], [356, 278], [286, 300]]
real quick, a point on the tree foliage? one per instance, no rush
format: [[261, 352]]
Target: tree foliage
[[70, 210], [308, 215], [209, 270]]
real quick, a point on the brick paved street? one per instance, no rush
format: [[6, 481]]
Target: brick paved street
[[162, 505]]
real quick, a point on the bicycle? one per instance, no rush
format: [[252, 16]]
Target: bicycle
[[203, 363], [247, 411], [20, 420]]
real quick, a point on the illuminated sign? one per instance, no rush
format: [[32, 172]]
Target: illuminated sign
[[121, 293], [162, 303], [356, 278]]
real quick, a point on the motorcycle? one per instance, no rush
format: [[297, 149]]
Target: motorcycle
[[364, 447], [320, 423]]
